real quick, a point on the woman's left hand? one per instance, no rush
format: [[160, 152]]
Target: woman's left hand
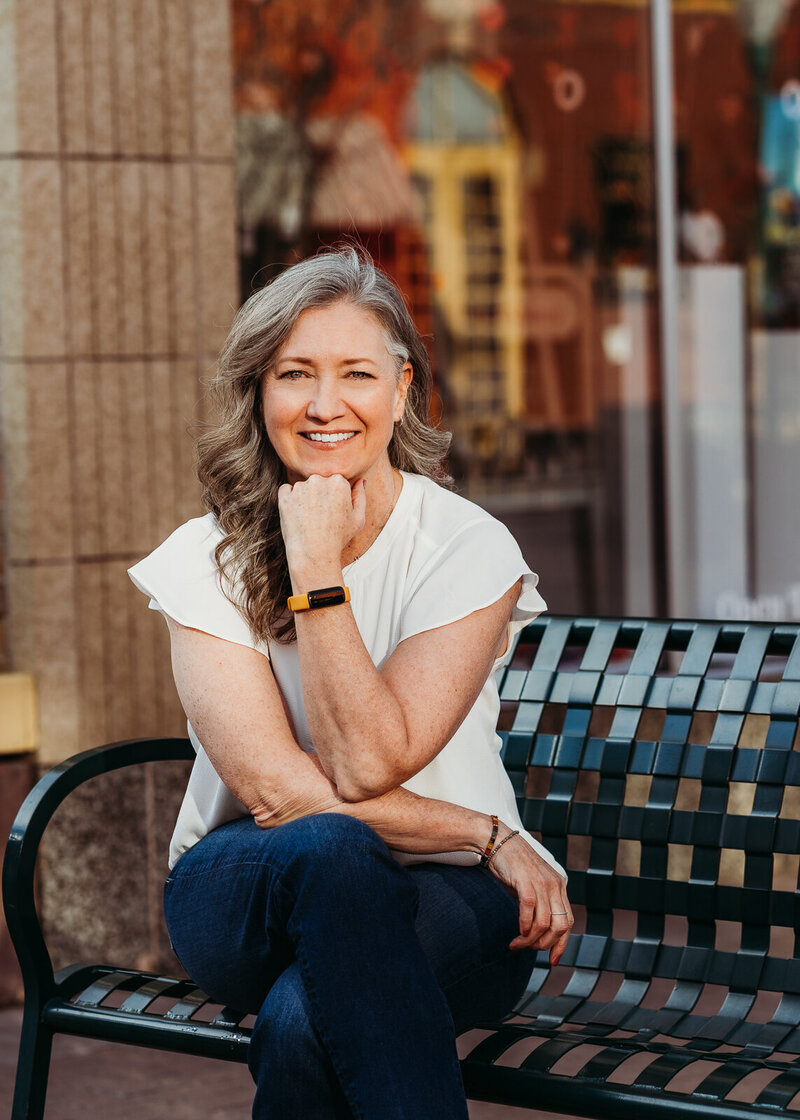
[[319, 518], [545, 915]]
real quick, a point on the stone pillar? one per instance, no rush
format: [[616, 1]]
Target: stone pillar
[[118, 281]]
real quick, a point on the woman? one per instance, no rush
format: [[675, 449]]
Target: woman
[[348, 863]]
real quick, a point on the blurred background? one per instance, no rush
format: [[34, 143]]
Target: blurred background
[[595, 217]]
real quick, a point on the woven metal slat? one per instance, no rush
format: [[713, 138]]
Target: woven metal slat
[[792, 670], [663, 1069], [544, 1057], [600, 647], [720, 1081], [189, 1005], [103, 986], [141, 999], [700, 650], [781, 1091]]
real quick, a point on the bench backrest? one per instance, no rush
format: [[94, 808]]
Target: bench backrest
[[660, 763]]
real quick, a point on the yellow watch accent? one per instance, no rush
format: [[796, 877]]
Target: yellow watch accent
[[322, 597]]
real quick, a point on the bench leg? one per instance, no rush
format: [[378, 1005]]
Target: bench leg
[[33, 1068]]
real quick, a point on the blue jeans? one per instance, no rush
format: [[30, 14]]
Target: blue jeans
[[361, 972]]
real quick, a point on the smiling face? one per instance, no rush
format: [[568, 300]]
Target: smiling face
[[332, 396]]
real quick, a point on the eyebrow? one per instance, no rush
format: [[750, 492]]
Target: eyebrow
[[344, 361]]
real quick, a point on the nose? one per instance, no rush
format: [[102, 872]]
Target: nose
[[325, 403]]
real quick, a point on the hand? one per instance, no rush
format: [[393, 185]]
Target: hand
[[545, 915], [319, 517]]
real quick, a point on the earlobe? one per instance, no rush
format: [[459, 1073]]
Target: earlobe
[[403, 382]]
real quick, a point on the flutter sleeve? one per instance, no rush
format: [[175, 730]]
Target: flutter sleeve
[[471, 570], [182, 580]]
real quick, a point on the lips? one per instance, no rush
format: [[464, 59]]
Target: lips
[[327, 438]]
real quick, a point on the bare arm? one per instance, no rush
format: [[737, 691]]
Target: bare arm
[[373, 729], [230, 696]]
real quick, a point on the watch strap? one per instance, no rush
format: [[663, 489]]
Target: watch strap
[[322, 597]]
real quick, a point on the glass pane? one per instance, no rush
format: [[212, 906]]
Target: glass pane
[[737, 71], [497, 160], [775, 334]]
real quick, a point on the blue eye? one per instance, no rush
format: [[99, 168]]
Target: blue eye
[[360, 374], [291, 375]]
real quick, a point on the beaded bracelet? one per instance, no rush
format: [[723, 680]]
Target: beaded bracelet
[[499, 846], [488, 849]]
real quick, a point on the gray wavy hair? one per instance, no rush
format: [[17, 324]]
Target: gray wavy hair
[[237, 465]]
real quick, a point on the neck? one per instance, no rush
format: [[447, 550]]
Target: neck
[[382, 493]]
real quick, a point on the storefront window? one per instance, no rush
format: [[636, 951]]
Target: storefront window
[[497, 158]]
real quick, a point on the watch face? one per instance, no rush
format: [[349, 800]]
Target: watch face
[[326, 597]]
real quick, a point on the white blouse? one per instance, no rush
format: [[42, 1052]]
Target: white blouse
[[437, 559]]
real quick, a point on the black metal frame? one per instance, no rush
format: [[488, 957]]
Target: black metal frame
[[49, 1007], [564, 672]]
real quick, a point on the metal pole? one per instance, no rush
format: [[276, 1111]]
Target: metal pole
[[678, 562]]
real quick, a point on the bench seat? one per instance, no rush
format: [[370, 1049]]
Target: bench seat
[[660, 762]]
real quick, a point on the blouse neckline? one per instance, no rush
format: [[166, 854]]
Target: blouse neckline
[[382, 542]]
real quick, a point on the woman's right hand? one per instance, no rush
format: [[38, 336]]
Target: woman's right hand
[[319, 518], [545, 915]]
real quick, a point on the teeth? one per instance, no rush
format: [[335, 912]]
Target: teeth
[[324, 437]]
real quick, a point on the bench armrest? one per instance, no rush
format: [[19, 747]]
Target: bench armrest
[[26, 833]]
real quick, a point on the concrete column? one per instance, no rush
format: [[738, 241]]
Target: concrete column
[[118, 282]]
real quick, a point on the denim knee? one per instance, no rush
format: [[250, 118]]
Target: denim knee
[[331, 834], [343, 857], [333, 840]]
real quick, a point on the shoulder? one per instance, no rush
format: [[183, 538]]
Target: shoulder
[[182, 579], [462, 560], [196, 537], [447, 522], [188, 550]]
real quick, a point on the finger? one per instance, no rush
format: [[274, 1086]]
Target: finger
[[548, 928], [526, 914], [566, 916], [534, 940], [537, 938], [562, 921], [533, 925], [557, 950]]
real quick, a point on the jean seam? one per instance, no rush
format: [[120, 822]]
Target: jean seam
[[343, 1075], [214, 869], [346, 1081]]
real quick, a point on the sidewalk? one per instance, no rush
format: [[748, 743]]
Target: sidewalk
[[129, 1083]]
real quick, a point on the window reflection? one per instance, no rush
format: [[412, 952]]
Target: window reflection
[[497, 159]]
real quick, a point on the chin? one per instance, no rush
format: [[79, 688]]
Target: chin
[[326, 469]]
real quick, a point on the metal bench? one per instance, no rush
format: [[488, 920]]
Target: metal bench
[[660, 762]]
